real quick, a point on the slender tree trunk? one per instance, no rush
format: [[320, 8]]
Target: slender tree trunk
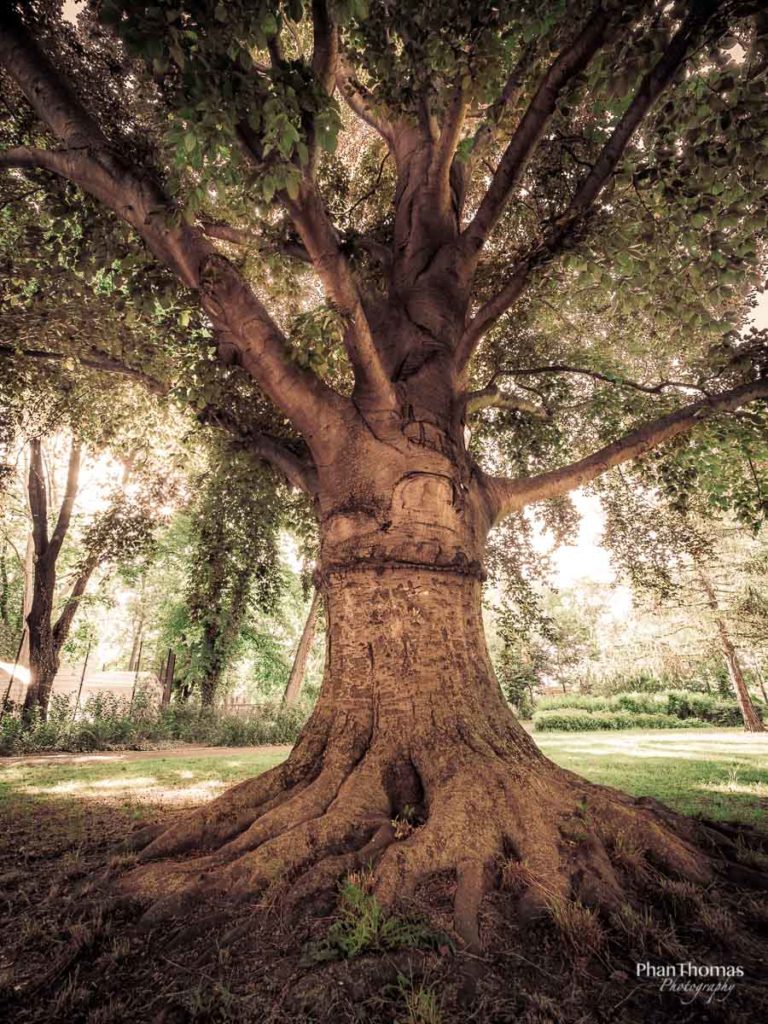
[[137, 633], [752, 721], [26, 598], [299, 667], [46, 637], [43, 650]]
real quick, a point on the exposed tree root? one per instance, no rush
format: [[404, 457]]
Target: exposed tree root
[[547, 835]]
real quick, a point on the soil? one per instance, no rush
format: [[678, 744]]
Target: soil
[[72, 951]]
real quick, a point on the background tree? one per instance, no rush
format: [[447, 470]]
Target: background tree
[[234, 566], [493, 164]]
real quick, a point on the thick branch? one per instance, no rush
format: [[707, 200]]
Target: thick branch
[[298, 472], [509, 495], [137, 199], [325, 55], [321, 242], [492, 398], [360, 103], [652, 86], [450, 136], [570, 62], [67, 504]]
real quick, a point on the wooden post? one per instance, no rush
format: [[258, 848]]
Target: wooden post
[[13, 671], [82, 680], [136, 676], [170, 666]]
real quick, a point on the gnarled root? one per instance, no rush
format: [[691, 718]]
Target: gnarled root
[[531, 828]]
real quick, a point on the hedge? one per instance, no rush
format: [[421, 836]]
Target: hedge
[[579, 720], [681, 705]]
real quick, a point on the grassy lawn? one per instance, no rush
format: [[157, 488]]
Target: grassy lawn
[[722, 774], [719, 774]]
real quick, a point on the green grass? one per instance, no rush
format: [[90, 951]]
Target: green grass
[[720, 773], [157, 781]]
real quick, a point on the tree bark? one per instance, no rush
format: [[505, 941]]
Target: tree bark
[[299, 667], [46, 638], [752, 721], [410, 724]]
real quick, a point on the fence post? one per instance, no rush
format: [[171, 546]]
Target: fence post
[[13, 671], [82, 680], [170, 666]]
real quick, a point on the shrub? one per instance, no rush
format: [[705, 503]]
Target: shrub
[[579, 720], [108, 722], [678, 705]]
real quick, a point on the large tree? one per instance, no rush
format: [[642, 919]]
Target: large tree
[[566, 195]]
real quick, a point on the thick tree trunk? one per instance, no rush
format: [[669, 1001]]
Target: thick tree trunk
[[299, 667], [411, 726], [43, 649]]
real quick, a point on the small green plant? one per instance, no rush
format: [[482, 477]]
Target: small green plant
[[363, 926], [422, 1004]]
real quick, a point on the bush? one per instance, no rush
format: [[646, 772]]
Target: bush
[[680, 706], [107, 722], [579, 720], [575, 700]]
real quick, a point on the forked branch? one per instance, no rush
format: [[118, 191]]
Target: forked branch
[[508, 495], [651, 88], [572, 60]]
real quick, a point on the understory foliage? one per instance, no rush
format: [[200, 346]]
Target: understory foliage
[[107, 722]]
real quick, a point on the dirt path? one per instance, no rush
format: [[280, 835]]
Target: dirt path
[[160, 753]]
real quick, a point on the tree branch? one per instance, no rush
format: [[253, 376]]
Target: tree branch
[[96, 360], [360, 103], [508, 495], [623, 382], [510, 95], [492, 397], [572, 60], [227, 298], [652, 86], [244, 236], [63, 624], [299, 473], [450, 136], [310, 217], [67, 504]]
